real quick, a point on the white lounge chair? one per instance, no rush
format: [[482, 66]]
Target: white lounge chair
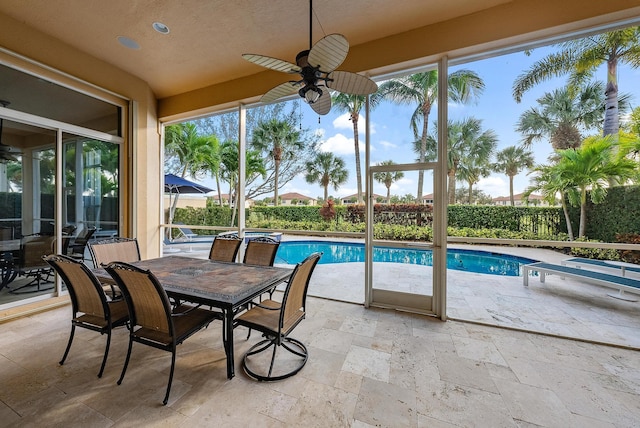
[[620, 283], [608, 264]]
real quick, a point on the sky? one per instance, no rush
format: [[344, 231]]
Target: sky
[[392, 139]]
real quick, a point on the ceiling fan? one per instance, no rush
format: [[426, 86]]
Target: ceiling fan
[[6, 152], [316, 68]]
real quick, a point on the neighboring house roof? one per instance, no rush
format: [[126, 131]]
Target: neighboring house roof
[[294, 195], [428, 196], [355, 195], [517, 197]]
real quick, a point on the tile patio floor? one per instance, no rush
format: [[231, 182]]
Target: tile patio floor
[[367, 367]]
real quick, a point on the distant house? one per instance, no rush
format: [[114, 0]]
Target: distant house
[[353, 199], [427, 199], [293, 198], [518, 200], [248, 203]]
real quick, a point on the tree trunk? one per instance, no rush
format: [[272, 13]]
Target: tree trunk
[[356, 144], [566, 217], [583, 213], [470, 192], [326, 193], [452, 186], [275, 183], [388, 194], [611, 119], [219, 189], [511, 190], [423, 150]]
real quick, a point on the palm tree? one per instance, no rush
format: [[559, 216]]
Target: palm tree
[[197, 154], [561, 114], [549, 182], [580, 58], [281, 140], [471, 173], [421, 89], [388, 177], [512, 160], [327, 169], [229, 166], [591, 167], [467, 144], [352, 104]]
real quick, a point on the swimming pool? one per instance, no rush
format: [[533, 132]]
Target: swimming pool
[[292, 252]]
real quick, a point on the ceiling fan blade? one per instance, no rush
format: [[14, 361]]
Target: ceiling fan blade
[[283, 90], [329, 52], [272, 63], [323, 105], [351, 83]]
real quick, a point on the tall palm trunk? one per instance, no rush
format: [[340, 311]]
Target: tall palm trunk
[[277, 157], [611, 119], [470, 191], [423, 149], [511, 190], [451, 190], [388, 194], [356, 144]]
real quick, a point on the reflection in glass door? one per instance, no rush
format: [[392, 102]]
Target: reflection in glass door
[[27, 211]]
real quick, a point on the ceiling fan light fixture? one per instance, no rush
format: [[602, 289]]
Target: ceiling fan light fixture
[[310, 93]]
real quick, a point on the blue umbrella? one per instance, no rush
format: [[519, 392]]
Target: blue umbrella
[[174, 185]]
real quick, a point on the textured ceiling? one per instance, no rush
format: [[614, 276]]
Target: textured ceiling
[[207, 37]]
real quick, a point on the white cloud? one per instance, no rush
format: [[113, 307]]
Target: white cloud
[[388, 145], [494, 186], [344, 122], [339, 144]]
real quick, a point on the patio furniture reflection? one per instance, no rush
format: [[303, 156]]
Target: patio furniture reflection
[[31, 265], [77, 248]]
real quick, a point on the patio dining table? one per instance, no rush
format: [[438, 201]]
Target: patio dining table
[[227, 286]]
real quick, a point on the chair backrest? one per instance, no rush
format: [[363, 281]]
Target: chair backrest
[[114, 249], [148, 303], [84, 288], [295, 295], [225, 249], [33, 248], [68, 229], [261, 251], [80, 243]]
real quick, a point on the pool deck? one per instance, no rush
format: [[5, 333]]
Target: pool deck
[[559, 307]]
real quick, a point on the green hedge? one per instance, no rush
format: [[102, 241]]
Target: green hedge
[[535, 220], [619, 213], [294, 213]]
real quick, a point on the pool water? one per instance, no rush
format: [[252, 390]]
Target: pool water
[[477, 261]]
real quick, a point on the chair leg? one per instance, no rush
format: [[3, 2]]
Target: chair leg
[[66, 351], [173, 366], [292, 345], [126, 362], [106, 352]]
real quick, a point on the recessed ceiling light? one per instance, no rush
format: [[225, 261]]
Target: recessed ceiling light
[[161, 28], [128, 42]]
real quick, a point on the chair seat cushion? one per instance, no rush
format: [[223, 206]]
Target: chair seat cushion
[[261, 318], [185, 324]]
